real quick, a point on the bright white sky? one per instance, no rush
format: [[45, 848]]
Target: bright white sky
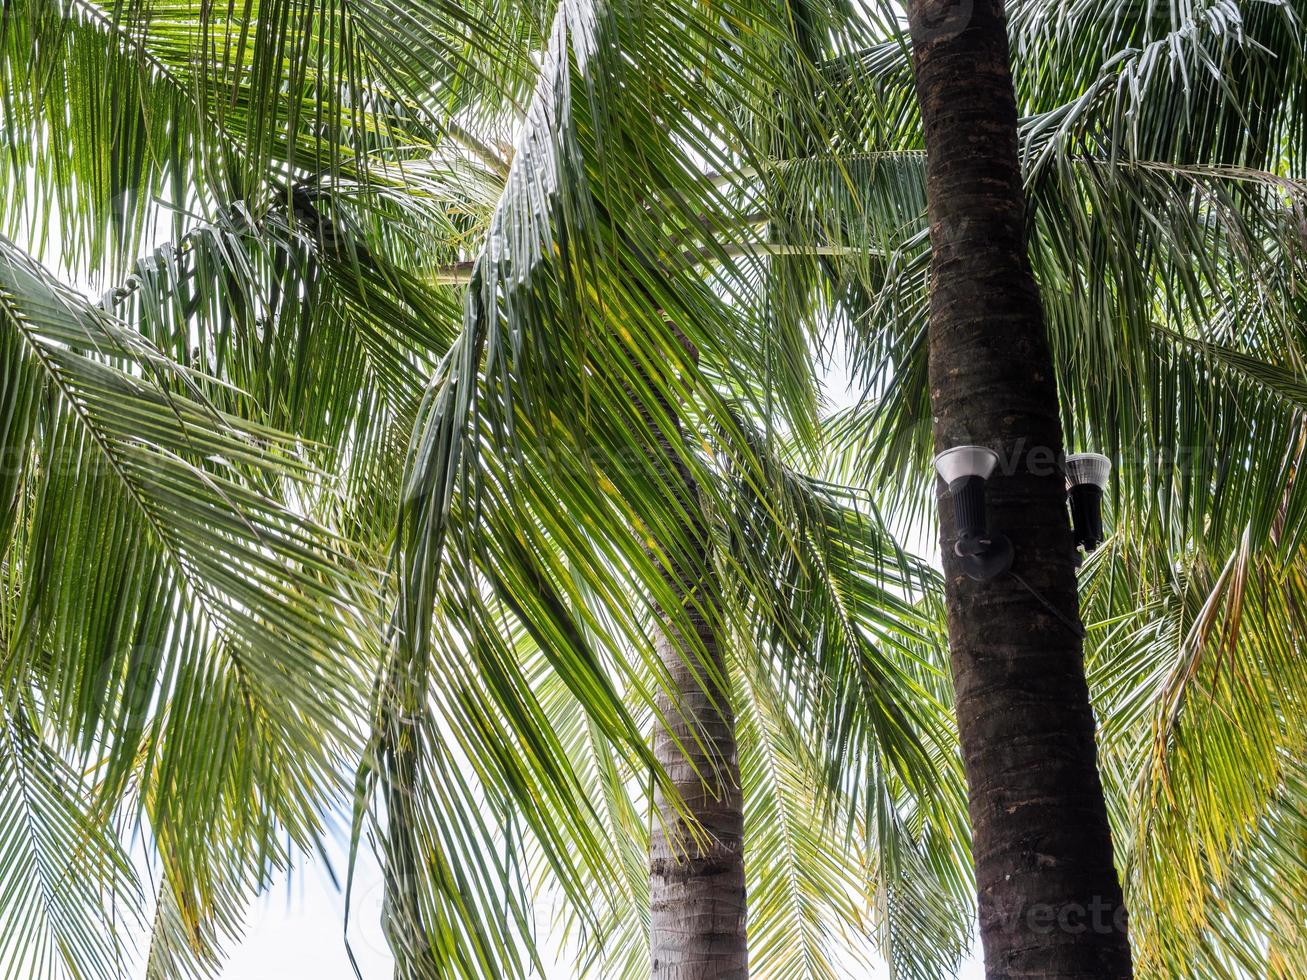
[[294, 932]]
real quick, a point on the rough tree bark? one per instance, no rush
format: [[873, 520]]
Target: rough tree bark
[[1050, 901], [696, 881], [696, 876]]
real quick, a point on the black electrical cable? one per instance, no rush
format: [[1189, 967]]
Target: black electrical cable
[[1070, 624]]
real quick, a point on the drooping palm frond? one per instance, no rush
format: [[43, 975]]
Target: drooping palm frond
[[1200, 693], [123, 118], [179, 623], [848, 625], [189, 490], [836, 870], [95, 127], [318, 330], [596, 311], [1189, 83], [67, 889], [297, 290]]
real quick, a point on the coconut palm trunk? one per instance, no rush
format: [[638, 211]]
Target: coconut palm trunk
[[1050, 902], [696, 866], [696, 874]]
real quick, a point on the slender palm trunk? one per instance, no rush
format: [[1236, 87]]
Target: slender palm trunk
[[696, 878], [1050, 902], [696, 871]]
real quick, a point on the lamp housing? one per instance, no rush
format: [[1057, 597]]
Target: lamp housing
[[966, 469], [1086, 477]]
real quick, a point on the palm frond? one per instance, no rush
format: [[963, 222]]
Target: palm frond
[[188, 629], [1196, 681], [67, 889]]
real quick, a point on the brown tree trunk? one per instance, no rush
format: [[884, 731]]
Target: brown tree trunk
[[696, 870], [696, 877], [1050, 901]]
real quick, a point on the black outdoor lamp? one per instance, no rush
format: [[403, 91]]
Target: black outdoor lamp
[[984, 554], [1086, 477]]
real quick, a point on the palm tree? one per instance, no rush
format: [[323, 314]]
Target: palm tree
[[696, 862], [828, 230], [1041, 842], [604, 379], [320, 207], [1160, 164], [538, 209]]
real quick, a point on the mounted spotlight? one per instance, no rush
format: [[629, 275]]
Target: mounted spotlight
[[1086, 476], [966, 469]]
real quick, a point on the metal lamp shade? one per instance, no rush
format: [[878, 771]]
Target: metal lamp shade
[[961, 462], [1087, 468]]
